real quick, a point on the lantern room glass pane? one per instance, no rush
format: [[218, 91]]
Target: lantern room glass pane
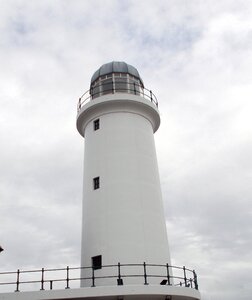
[[95, 91], [107, 86], [134, 87], [121, 85]]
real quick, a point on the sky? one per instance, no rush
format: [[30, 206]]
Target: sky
[[196, 56]]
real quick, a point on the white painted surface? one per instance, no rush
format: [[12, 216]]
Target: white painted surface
[[123, 220], [115, 103], [126, 292]]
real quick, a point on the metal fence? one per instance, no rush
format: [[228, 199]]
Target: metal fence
[[69, 277], [116, 87]]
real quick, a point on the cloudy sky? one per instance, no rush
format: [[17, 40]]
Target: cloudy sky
[[196, 56]]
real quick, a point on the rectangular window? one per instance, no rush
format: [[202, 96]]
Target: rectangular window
[[96, 124], [96, 183], [97, 262]]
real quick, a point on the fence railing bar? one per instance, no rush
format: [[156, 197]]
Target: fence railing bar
[[183, 276], [137, 89]]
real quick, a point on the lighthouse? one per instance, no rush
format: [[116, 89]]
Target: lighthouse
[[123, 228], [124, 249], [123, 215]]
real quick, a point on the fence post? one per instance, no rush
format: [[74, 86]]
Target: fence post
[[195, 280], [119, 271], [93, 277], [168, 274], [17, 284], [191, 282], [119, 280], [67, 279], [145, 274], [185, 279], [42, 279]]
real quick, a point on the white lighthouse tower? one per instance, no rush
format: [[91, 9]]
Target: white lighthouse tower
[[125, 253], [123, 216], [124, 238]]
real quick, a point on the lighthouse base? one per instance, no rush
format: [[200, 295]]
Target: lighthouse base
[[134, 292]]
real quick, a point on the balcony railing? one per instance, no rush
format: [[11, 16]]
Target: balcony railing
[[113, 87], [68, 277]]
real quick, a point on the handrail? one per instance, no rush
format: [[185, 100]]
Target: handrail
[[131, 88], [186, 277]]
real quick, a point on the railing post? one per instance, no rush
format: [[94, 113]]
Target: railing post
[[135, 88], [79, 104], [119, 271], [51, 282], [17, 284], [151, 96], [195, 280], [93, 277], [168, 274], [67, 279], [119, 280], [42, 279], [191, 282], [185, 279], [145, 274]]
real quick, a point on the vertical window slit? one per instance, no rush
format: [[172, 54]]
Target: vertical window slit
[[96, 124], [96, 183]]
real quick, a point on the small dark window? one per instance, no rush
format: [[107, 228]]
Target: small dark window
[[96, 183], [97, 262], [96, 124]]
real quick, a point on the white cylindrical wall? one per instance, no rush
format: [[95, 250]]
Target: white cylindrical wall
[[123, 220]]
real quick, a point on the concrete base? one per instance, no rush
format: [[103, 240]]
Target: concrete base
[[133, 292]]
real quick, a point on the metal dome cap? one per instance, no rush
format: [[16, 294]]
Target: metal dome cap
[[116, 67]]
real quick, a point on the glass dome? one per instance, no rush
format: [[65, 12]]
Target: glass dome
[[116, 77]]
